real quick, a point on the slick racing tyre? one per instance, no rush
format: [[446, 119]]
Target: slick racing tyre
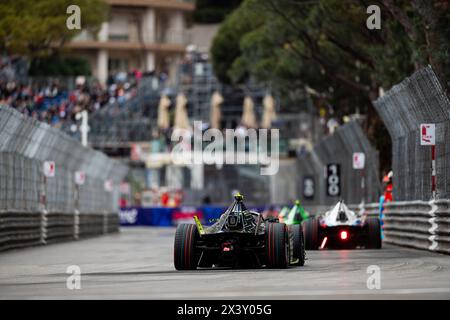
[[311, 233], [185, 257], [277, 245], [298, 244], [373, 233]]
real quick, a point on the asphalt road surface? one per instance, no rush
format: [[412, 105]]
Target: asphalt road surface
[[137, 264]]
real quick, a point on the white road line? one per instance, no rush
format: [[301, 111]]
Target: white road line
[[272, 294]]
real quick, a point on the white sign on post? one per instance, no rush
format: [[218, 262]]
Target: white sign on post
[[49, 169], [427, 134], [359, 159], [80, 178], [125, 188], [108, 185]]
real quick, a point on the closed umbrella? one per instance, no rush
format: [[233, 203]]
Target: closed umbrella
[[163, 112], [181, 116], [216, 115], [269, 114], [248, 115]]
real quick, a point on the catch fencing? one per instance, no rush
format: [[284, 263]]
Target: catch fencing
[[118, 124], [355, 185], [35, 209], [416, 100], [413, 219]]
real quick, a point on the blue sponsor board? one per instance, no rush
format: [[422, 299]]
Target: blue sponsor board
[[158, 216], [135, 216]]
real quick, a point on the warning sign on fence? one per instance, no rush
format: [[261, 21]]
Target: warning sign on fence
[[108, 185], [427, 134], [49, 169], [358, 160], [80, 178], [125, 188]]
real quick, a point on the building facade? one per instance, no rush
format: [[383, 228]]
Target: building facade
[[145, 35]]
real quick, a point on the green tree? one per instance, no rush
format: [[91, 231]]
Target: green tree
[[324, 45], [213, 11], [38, 27], [226, 44], [56, 65]]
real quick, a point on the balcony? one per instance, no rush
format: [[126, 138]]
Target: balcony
[[126, 45], [186, 5], [174, 36], [169, 41]]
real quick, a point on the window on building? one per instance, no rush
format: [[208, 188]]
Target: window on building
[[118, 65], [119, 28]]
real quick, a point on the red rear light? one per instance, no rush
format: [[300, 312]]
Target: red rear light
[[344, 235], [226, 247]]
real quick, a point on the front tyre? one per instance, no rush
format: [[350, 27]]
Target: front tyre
[[373, 233], [277, 245], [311, 233], [185, 257]]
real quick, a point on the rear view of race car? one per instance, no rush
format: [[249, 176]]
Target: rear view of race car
[[341, 228], [240, 238]]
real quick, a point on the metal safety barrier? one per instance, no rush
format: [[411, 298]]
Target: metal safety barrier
[[417, 224], [19, 229], [35, 209]]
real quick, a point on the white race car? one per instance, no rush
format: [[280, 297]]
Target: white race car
[[341, 228]]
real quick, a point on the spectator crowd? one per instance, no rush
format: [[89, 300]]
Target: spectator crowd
[[52, 102], [56, 101]]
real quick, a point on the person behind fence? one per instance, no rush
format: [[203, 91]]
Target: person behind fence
[[387, 180], [385, 197]]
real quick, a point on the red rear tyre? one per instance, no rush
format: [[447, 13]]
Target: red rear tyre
[[185, 256], [277, 245]]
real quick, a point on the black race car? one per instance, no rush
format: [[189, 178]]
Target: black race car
[[239, 238]]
